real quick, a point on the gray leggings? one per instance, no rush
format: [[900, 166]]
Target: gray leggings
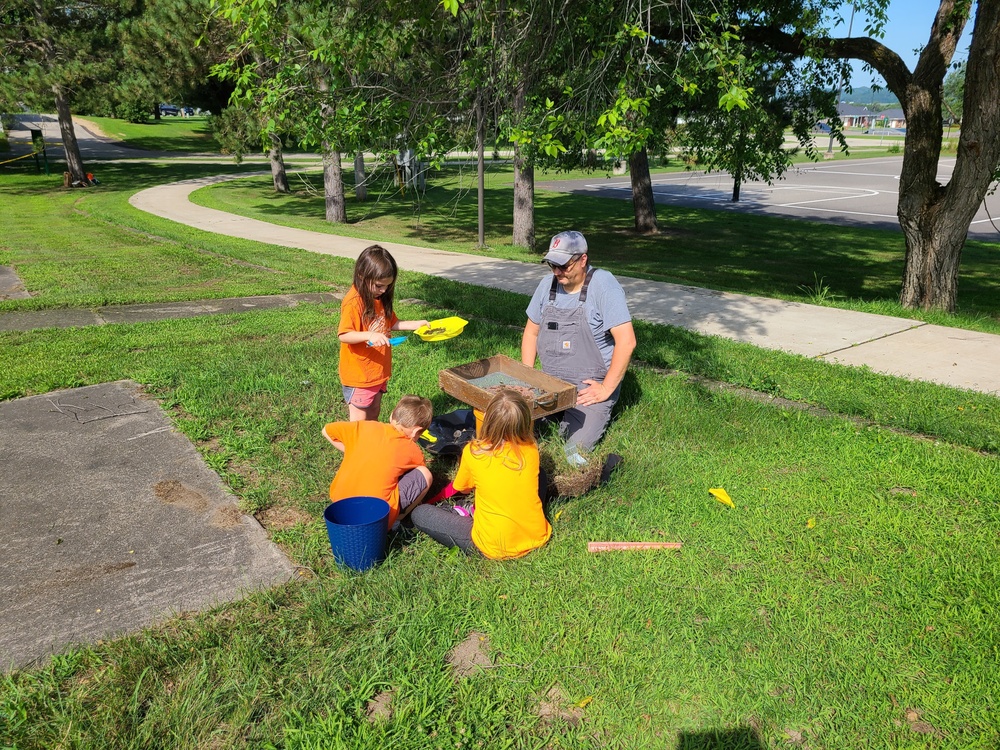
[[445, 526]]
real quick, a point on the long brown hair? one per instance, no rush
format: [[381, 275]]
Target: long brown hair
[[373, 264], [507, 420]]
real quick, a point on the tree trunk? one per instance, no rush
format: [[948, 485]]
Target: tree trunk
[[333, 176], [481, 169], [524, 179], [278, 175], [643, 204], [156, 112], [74, 162], [524, 201], [360, 179], [935, 219], [738, 172], [333, 185]]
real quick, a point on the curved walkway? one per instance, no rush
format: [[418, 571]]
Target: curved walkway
[[894, 346]]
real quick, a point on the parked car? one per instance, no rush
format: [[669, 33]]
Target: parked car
[[170, 109], [188, 111], [822, 127]]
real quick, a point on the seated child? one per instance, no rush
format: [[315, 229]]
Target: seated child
[[501, 464], [383, 460]]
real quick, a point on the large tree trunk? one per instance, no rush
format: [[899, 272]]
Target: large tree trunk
[[278, 175], [74, 162], [524, 201], [524, 180], [333, 185], [642, 192], [935, 219], [333, 176], [360, 179], [481, 169]]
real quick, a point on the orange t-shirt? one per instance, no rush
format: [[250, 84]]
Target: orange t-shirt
[[509, 521], [363, 366], [376, 455]]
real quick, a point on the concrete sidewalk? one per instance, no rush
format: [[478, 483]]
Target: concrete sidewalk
[[894, 346], [73, 317]]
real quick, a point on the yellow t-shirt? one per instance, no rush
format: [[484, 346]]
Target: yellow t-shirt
[[376, 455], [509, 521], [363, 366]]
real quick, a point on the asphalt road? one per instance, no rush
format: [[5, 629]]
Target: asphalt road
[[852, 192]]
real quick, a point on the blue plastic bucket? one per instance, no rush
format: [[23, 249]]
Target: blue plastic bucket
[[357, 527]]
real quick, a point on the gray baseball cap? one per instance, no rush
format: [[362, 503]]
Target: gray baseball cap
[[564, 246]]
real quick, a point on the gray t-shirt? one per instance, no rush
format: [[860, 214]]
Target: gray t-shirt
[[606, 307]]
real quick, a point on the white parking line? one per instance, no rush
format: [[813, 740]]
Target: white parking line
[[841, 211], [870, 194]]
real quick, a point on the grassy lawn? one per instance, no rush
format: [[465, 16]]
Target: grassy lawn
[[165, 134], [805, 261], [848, 601]]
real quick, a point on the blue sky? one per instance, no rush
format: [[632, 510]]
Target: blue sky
[[908, 28]]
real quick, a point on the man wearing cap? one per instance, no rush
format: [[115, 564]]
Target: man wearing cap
[[580, 328]]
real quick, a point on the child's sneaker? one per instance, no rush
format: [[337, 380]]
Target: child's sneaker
[[466, 510]]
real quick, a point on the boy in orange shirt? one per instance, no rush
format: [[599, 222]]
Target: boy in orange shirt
[[383, 460]]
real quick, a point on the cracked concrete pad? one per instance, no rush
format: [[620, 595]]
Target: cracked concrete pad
[[112, 522], [949, 356]]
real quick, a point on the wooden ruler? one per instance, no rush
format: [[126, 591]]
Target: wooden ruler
[[613, 546]]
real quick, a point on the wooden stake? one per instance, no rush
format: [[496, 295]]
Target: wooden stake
[[614, 546]]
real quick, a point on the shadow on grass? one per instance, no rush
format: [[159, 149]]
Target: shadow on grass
[[741, 738]]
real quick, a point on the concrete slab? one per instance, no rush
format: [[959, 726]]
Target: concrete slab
[[10, 284], [27, 320], [117, 314], [949, 356], [112, 522]]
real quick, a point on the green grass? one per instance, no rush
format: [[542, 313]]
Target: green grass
[[849, 600], [737, 252], [183, 134]]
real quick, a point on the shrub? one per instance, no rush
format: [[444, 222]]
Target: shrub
[[135, 110]]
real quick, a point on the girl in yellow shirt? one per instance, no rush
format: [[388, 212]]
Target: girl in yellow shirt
[[501, 465]]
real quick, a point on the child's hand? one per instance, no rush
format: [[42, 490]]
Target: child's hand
[[375, 338]]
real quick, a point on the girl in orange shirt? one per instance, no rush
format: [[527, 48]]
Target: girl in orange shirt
[[366, 318], [501, 465]]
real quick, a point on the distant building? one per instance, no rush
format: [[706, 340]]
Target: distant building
[[854, 116], [891, 118], [857, 116]]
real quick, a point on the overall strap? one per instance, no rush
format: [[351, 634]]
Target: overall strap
[[586, 283], [583, 291]]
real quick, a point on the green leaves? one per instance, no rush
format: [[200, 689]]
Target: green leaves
[[735, 96]]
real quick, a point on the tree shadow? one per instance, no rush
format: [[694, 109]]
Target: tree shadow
[[740, 738]]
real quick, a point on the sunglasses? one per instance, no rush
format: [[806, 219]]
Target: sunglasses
[[565, 266]]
